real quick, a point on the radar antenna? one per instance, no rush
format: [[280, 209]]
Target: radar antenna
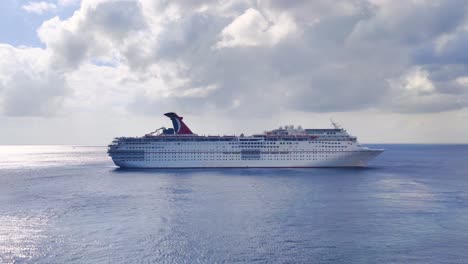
[[335, 124]]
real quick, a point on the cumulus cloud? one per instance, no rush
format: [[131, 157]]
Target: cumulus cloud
[[253, 29], [28, 87], [417, 80], [415, 92], [38, 7], [262, 57], [409, 22], [97, 30]]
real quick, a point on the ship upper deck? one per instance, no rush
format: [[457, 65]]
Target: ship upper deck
[[255, 138], [286, 133]]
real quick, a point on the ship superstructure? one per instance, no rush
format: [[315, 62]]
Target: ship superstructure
[[179, 147]]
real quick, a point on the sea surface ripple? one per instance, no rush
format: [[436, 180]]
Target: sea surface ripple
[[69, 204]]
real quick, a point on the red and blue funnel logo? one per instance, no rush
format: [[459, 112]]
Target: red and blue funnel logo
[[180, 127]]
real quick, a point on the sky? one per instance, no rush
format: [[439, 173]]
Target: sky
[[83, 72]]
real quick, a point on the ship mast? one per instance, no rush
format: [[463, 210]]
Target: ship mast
[[335, 124]]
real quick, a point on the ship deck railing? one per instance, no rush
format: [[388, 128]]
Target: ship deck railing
[[176, 138]]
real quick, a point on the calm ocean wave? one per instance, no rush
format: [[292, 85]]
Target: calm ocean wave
[[69, 204]]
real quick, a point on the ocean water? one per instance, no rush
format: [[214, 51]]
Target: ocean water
[[65, 204]]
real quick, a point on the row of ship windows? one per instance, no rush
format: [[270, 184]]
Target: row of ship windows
[[265, 147], [234, 143], [231, 156], [269, 147], [175, 157], [220, 154], [223, 155], [277, 158], [266, 141]]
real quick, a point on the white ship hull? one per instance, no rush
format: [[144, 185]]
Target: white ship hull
[[336, 159], [287, 147]]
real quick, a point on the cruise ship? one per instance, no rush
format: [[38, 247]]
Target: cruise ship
[[285, 147]]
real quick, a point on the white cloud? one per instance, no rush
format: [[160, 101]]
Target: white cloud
[[418, 80], [243, 58], [254, 29], [463, 80], [28, 86], [39, 7], [68, 2], [327, 54], [97, 30], [415, 92]]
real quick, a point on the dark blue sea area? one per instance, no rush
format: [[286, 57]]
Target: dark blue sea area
[[69, 204]]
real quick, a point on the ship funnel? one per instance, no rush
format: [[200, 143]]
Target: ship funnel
[[180, 127]]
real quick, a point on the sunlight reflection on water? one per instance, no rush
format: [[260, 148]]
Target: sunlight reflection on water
[[20, 237], [49, 156]]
